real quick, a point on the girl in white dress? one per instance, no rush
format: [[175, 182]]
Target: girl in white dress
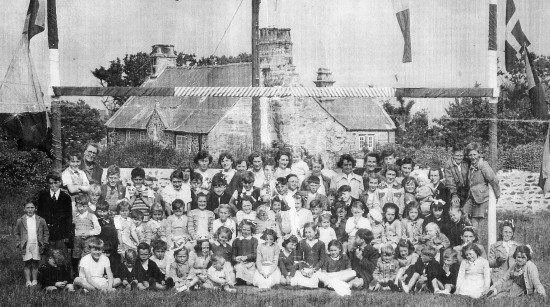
[[474, 275]]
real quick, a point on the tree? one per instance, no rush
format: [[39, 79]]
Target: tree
[[420, 133], [80, 124], [401, 116]]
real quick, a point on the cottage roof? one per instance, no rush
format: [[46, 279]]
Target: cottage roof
[[357, 114], [185, 114]]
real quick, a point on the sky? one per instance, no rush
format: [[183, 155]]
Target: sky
[[359, 40]]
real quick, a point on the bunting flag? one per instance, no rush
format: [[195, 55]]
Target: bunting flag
[[401, 8], [544, 184], [539, 107], [23, 113], [515, 38]]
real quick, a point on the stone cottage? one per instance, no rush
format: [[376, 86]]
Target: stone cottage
[[324, 126]]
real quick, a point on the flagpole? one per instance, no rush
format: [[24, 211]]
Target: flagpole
[[53, 43], [492, 82]]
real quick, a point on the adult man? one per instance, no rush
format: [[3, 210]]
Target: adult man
[[456, 177], [347, 177], [89, 166]]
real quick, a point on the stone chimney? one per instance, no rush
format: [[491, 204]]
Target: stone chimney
[[162, 56], [276, 63], [324, 78]]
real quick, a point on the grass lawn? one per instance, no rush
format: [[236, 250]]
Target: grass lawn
[[534, 230]]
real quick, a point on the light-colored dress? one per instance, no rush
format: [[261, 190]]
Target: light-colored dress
[[267, 258], [473, 277]]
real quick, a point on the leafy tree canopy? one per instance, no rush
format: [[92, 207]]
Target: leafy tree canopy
[[80, 124]]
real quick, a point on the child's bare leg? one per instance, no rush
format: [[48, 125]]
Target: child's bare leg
[[413, 280], [50, 289], [83, 283], [117, 282], [449, 288], [437, 285], [34, 271], [345, 247], [143, 285], [193, 282], [27, 271]]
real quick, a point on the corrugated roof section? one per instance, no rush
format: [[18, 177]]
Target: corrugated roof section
[[358, 113], [185, 114]]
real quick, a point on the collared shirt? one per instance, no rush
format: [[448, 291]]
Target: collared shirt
[[55, 194], [259, 178], [353, 180]]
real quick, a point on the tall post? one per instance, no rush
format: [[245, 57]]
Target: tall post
[[53, 44], [256, 106], [493, 128]]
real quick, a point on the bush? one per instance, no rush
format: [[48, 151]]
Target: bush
[[522, 157], [146, 154]]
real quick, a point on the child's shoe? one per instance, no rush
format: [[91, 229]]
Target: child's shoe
[[182, 288], [28, 284], [170, 283], [133, 285], [34, 283], [230, 289], [404, 287]]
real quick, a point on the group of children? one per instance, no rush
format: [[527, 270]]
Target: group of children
[[205, 231]]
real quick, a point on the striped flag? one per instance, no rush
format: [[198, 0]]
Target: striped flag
[[539, 108], [36, 17], [401, 8], [515, 38]]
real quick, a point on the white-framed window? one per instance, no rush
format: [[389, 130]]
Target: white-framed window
[[370, 141], [362, 140], [143, 135], [179, 142], [128, 135]]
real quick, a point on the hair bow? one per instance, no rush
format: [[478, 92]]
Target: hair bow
[[250, 221], [509, 223], [438, 201], [326, 213]]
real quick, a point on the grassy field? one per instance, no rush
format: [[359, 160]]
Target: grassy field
[[534, 230]]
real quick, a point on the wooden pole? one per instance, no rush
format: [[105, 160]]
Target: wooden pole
[[493, 128], [53, 43], [256, 106]]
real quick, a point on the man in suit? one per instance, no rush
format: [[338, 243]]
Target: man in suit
[[456, 177], [55, 207]]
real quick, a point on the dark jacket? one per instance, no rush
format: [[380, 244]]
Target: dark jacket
[[48, 275], [153, 272], [364, 267], [58, 214], [94, 176]]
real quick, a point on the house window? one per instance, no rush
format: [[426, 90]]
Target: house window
[[128, 135], [143, 136], [179, 142], [370, 141], [362, 140]]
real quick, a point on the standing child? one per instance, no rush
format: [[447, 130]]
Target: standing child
[[339, 226], [196, 188], [246, 188], [125, 275], [474, 275], [336, 270], [246, 211], [218, 277], [113, 191], [299, 167], [73, 178], [392, 225], [139, 196], [32, 235], [224, 213], [176, 225], [139, 229], [94, 195], [417, 274], [371, 195], [55, 274], [200, 220], [201, 259], [267, 256], [125, 228], [156, 227], [412, 223], [326, 233], [148, 273], [94, 270], [439, 216], [446, 282], [356, 222], [85, 225], [316, 209], [377, 228], [221, 247], [363, 259], [108, 230], [180, 271], [313, 252], [386, 270], [244, 253]]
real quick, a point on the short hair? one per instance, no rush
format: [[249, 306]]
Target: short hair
[[386, 250], [159, 245], [270, 162], [74, 154], [470, 229], [357, 205], [217, 259], [81, 198], [221, 230], [347, 157], [335, 243], [107, 247], [391, 206], [143, 246], [53, 175], [429, 251], [506, 223], [373, 155], [344, 188], [313, 179], [156, 208], [406, 244], [123, 204], [388, 153], [138, 172], [408, 179], [178, 204], [325, 216], [290, 176], [102, 206], [130, 255], [365, 234], [473, 146], [313, 226], [241, 160], [393, 168], [113, 170], [178, 174], [247, 177], [95, 189], [137, 214], [315, 204], [94, 243], [406, 160], [201, 194], [198, 246], [524, 249], [474, 247], [413, 204], [182, 249], [254, 155], [291, 239], [248, 223], [281, 180], [269, 232], [218, 181], [196, 177], [247, 198], [316, 159], [450, 253], [434, 226], [438, 170], [281, 153], [58, 256], [298, 196], [228, 155], [203, 154]]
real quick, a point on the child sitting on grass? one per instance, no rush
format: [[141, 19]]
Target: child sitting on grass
[[433, 237], [180, 273], [386, 270], [159, 248], [336, 271], [93, 268], [353, 224], [125, 275], [446, 282], [405, 256], [148, 274], [200, 260], [267, 256], [218, 277], [244, 253], [363, 259], [221, 247], [55, 274], [416, 276], [32, 235]]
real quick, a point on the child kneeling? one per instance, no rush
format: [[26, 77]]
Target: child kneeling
[[92, 269]]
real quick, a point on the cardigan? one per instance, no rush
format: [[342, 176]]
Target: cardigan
[[289, 264], [245, 247], [336, 265], [498, 250], [531, 277], [312, 255]]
